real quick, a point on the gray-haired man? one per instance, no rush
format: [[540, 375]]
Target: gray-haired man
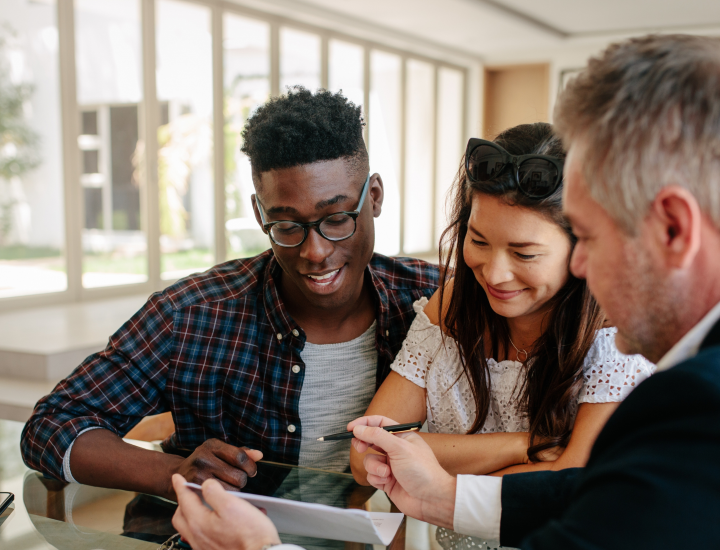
[[642, 187]]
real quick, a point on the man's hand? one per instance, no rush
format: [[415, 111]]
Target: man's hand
[[407, 471], [232, 524], [214, 459]]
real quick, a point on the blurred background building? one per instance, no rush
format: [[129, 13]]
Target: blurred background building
[[120, 121]]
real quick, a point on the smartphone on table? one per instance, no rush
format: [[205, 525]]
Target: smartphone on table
[[5, 501]]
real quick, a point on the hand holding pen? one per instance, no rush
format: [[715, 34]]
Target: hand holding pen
[[407, 470]]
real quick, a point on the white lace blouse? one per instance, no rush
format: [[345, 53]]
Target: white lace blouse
[[431, 363]]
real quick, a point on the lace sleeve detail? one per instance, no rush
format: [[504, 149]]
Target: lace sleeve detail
[[420, 347], [610, 376]]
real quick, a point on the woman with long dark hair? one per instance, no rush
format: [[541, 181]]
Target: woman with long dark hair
[[509, 362]]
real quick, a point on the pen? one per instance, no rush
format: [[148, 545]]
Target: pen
[[397, 428]]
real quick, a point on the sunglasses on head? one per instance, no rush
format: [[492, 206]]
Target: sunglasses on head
[[537, 176]]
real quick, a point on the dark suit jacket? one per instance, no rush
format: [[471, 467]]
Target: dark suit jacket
[[653, 478]]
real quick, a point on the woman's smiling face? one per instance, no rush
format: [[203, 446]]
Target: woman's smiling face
[[518, 256]]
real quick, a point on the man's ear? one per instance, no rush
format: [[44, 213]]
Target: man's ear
[[377, 194], [676, 221], [256, 211]]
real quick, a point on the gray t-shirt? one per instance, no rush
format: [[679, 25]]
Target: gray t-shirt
[[338, 386]]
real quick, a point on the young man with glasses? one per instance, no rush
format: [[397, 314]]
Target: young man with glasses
[[259, 356]]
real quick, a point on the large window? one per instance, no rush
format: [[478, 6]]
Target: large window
[[419, 158], [108, 57], [299, 59], [346, 70], [386, 106], [123, 171], [449, 135], [185, 138], [32, 221], [246, 48]]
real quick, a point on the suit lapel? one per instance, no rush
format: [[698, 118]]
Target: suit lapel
[[712, 338]]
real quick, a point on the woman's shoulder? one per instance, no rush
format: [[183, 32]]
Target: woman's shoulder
[[432, 308], [603, 347], [604, 352], [609, 374], [425, 356]]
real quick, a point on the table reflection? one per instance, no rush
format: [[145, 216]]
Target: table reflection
[[53, 515], [90, 516]]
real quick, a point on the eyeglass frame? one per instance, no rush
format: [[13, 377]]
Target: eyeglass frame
[[514, 160], [307, 226]]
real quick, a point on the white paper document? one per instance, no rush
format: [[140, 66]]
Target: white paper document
[[326, 522]]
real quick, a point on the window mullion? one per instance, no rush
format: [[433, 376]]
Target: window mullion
[[71, 151], [366, 95], [274, 59], [324, 62], [218, 133], [434, 186], [403, 135], [149, 122]]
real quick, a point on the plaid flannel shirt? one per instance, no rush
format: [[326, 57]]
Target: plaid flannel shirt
[[217, 349]]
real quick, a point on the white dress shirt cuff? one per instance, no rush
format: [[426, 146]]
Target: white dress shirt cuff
[[478, 506], [66, 459]]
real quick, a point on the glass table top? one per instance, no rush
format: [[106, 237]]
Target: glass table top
[[49, 514]]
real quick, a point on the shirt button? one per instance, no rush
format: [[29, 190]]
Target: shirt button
[[279, 336], [296, 369], [295, 332], [291, 428]]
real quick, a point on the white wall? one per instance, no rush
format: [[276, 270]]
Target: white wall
[[573, 53]]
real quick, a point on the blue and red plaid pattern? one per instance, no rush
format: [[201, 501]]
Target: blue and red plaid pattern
[[217, 349]]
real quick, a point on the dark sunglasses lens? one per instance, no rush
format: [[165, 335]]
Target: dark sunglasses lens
[[538, 177], [485, 163]]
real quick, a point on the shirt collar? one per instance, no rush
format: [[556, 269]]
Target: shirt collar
[[689, 345], [280, 320], [383, 308]]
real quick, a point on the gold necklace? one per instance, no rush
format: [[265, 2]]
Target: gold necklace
[[519, 351]]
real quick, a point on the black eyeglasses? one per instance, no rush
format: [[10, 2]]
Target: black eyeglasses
[[335, 227], [538, 176]]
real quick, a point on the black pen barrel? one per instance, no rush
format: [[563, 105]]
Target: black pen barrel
[[392, 429], [337, 437]]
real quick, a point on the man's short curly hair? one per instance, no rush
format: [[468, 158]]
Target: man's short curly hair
[[302, 128]]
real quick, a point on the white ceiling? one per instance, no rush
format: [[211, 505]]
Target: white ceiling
[[482, 27], [594, 16]]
